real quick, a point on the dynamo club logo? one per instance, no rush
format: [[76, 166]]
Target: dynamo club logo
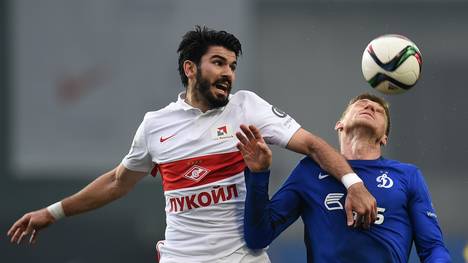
[[384, 181]]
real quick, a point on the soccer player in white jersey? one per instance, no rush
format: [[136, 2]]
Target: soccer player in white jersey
[[192, 144]]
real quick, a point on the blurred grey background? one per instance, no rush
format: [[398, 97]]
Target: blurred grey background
[[77, 77]]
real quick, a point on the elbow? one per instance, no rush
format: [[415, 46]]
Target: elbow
[[438, 254], [117, 189], [255, 235], [119, 193]]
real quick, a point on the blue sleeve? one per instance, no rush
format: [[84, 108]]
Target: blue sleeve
[[426, 231], [264, 220]]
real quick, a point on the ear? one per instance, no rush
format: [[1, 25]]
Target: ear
[[384, 140], [338, 126], [190, 69]]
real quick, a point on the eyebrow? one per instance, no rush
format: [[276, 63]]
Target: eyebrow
[[223, 59]]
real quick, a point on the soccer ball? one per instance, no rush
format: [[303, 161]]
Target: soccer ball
[[391, 64]]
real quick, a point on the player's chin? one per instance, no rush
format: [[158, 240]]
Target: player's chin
[[365, 120], [366, 124], [221, 102], [218, 101]]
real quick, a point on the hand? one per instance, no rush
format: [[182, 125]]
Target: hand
[[363, 203], [30, 224], [257, 155]]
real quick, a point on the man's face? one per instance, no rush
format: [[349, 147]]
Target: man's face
[[368, 115], [215, 76]]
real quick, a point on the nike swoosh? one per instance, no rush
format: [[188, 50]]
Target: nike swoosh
[[161, 139], [321, 176]]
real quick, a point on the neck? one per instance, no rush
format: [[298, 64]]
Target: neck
[[359, 145], [195, 100]]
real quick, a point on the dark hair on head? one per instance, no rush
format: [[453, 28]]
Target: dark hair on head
[[196, 42], [373, 98]]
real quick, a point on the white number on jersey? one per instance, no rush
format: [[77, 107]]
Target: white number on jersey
[[380, 217]]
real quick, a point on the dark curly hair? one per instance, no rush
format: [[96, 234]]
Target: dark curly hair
[[196, 42]]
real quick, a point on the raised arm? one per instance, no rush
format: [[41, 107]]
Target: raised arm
[[358, 198], [264, 220], [103, 190]]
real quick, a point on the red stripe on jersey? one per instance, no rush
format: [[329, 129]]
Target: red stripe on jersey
[[200, 170]]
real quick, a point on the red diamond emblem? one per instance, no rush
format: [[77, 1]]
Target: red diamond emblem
[[196, 173]]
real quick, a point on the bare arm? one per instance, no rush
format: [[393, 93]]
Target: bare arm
[[105, 189], [326, 156], [358, 198]]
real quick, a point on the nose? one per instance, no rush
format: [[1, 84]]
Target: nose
[[228, 73], [370, 107]]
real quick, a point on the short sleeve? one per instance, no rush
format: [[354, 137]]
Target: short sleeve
[[276, 126], [138, 158]]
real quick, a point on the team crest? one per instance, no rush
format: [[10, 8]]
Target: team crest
[[196, 173], [384, 181]]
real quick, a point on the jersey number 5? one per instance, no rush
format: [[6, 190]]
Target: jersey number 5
[[380, 217]]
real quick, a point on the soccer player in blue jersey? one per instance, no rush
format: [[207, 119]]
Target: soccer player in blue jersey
[[405, 211]]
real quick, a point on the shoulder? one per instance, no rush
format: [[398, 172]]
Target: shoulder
[[306, 166], [305, 175], [309, 162], [245, 97], [172, 107], [407, 173], [155, 118], [406, 167], [245, 94]]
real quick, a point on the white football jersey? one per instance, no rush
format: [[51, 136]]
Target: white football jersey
[[202, 170]]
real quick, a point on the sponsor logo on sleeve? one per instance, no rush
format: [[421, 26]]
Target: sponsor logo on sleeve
[[431, 214], [278, 112]]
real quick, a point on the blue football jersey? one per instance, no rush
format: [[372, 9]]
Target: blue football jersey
[[405, 213]]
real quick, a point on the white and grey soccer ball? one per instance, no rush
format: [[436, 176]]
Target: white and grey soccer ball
[[391, 64]]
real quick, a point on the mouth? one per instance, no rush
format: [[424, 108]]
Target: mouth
[[223, 86], [367, 114]]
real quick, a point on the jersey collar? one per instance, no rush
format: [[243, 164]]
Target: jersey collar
[[186, 107], [375, 161], [181, 102]]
